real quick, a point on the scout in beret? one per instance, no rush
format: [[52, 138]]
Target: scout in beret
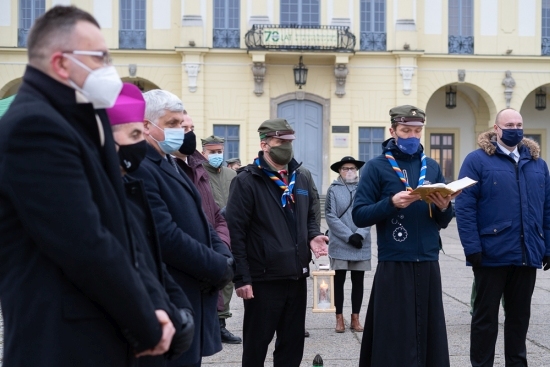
[[212, 149], [408, 243]]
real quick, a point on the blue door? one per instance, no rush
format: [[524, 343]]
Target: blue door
[[306, 118]]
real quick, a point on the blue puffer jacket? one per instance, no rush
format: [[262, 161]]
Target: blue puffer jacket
[[506, 215], [407, 234]]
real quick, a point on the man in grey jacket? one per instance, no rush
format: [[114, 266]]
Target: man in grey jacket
[[349, 246]]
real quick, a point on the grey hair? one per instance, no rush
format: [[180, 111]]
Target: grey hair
[[158, 101]]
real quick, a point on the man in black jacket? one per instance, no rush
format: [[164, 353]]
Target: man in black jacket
[[69, 284], [126, 118], [271, 218]]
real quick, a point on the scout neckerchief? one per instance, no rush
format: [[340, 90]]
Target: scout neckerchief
[[397, 170], [287, 189]]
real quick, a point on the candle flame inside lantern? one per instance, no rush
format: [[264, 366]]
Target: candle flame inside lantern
[[323, 285]]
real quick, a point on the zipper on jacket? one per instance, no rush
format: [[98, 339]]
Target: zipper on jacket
[[523, 252]]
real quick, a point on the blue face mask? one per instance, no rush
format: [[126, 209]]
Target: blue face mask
[[408, 145], [173, 139], [215, 159], [511, 137]]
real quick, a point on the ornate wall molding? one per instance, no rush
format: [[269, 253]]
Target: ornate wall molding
[[461, 75], [341, 72], [509, 84], [192, 70], [407, 73], [258, 70]]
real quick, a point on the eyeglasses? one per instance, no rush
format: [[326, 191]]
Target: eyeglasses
[[104, 56], [346, 169]]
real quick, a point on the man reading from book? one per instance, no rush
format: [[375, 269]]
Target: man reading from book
[[405, 322]]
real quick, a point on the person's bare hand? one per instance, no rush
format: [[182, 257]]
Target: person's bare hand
[[403, 199], [168, 332], [442, 202], [319, 246], [245, 292]]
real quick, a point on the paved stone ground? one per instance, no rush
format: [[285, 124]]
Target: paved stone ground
[[342, 350]]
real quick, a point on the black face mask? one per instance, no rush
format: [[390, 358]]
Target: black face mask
[[130, 156], [189, 143]]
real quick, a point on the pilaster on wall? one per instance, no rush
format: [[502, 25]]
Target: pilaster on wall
[[193, 86], [406, 79], [406, 33], [259, 108]]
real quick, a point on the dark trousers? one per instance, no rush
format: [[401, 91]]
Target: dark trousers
[[278, 306], [516, 285], [357, 278]]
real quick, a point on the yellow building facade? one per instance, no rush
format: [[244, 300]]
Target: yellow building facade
[[460, 60]]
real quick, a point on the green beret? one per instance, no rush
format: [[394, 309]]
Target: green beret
[[408, 115], [212, 140], [276, 128], [233, 160]]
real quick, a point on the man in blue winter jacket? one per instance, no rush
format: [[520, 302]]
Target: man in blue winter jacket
[[504, 226], [405, 324]]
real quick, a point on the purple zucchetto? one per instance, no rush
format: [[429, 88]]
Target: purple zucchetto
[[129, 106]]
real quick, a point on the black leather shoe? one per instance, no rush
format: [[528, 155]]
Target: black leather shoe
[[227, 336], [306, 334]]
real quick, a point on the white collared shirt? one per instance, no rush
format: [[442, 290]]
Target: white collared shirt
[[507, 152]]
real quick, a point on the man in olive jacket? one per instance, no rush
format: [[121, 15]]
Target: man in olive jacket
[[271, 218]]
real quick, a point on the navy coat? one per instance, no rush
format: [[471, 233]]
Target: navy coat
[[407, 234], [506, 215], [70, 291], [190, 247]]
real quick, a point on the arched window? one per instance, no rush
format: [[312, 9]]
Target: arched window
[[227, 33], [132, 24], [29, 10]]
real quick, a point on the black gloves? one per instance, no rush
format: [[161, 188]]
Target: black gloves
[[546, 262], [207, 287], [356, 240], [228, 275], [182, 339], [474, 259]]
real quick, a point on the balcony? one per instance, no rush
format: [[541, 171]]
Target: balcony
[[461, 45], [227, 38], [373, 41], [297, 37], [22, 34], [545, 47], [130, 39]]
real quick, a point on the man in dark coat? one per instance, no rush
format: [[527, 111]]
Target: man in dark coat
[[504, 226], [405, 323], [194, 254], [70, 291], [271, 218], [126, 118], [191, 161]]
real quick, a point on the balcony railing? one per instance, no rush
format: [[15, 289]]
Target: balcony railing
[[545, 46], [22, 34], [461, 45], [373, 41], [227, 38], [130, 39], [298, 37]]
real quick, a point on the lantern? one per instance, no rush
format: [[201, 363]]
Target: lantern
[[323, 288], [450, 97], [540, 99], [300, 74]]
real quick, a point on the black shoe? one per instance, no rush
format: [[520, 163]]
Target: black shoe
[[227, 336], [306, 334]]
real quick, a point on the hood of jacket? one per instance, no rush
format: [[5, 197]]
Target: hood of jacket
[[487, 141]]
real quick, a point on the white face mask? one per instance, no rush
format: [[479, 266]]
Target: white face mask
[[102, 86]]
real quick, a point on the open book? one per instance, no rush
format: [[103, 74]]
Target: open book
[[444, 189]]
